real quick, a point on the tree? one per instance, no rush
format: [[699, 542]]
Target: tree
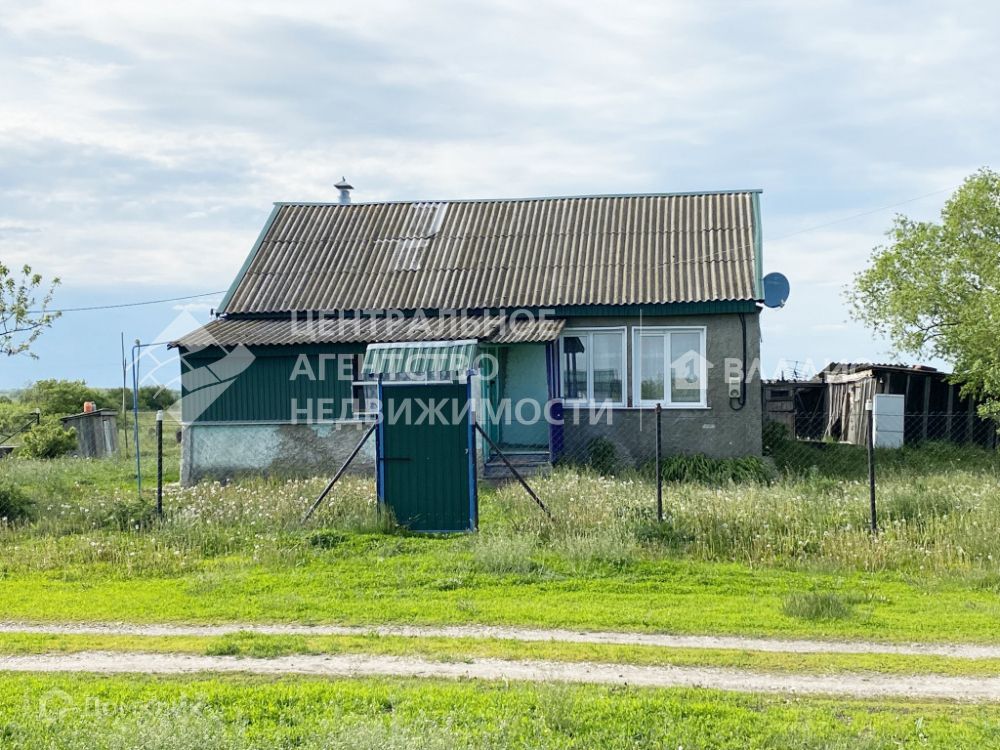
[[935, 288], [61, 396], [23, 317], [151, 397]]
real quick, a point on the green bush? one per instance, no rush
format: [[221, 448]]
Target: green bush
[[13, 417], [701, 469], [14, 504], [602, 456], [775, 437], [47, 440], [151, 398]]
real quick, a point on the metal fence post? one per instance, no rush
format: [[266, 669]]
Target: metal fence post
[[159, 463], [871, 464], [659, 472]]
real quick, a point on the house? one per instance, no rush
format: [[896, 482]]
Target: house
[[590, 310], [832, 405]]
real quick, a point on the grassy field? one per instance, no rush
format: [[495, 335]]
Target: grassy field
[[223, 713], [792, 558], [788, 558]]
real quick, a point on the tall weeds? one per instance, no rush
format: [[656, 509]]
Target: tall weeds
[[942, 520]]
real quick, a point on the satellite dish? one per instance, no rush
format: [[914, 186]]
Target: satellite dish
[[776, 290]]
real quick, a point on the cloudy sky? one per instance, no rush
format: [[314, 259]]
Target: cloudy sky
[[141, 144]]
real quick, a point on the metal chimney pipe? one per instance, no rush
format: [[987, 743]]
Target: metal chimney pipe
[[345, 189]]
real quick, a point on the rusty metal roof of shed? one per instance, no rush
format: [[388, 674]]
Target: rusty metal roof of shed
[[480, 254]]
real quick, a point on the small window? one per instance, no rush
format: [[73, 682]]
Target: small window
[[670, 367], [593, 366], [364, 393]]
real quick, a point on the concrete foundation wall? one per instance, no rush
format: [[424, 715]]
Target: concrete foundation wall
[[226, 450]]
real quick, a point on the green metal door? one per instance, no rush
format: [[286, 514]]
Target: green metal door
[[426, 461]]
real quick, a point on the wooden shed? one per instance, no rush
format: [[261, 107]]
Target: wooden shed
[[96, 432], [933, 407], [800, 405], [831, 405]]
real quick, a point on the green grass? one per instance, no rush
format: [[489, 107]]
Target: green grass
[[459, 650], [239, 713], [374, 579], [842, 461], [76, 480], [793, 558], [819, 605]]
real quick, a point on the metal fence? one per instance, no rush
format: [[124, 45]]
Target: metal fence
[[159, 455], [668, 448]]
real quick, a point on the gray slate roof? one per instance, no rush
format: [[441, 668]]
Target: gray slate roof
[[547, 252], [262, 332]]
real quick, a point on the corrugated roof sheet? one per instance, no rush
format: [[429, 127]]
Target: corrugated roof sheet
[[841, 368], [535, 330], [642, 249], [421, 358], [262, 332]]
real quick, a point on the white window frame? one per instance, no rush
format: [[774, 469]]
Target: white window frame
[[668, 385], [588, 333]]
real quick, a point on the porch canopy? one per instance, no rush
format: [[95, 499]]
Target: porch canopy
[[486, 329], [420, 360]]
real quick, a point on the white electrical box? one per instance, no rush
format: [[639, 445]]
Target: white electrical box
[[734, 382], [887, 420]]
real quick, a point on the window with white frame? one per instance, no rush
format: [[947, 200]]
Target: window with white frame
[[592, 361], [364, 393], [669, 367]]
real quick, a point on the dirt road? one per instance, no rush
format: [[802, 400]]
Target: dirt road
[[954, 650], [860, 686]]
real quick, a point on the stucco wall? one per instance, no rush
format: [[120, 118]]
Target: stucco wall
[[717, 431], [225, 450]]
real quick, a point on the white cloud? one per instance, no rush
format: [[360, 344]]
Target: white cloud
[[143, 143]]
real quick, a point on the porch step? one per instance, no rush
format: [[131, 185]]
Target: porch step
[[527, 464]]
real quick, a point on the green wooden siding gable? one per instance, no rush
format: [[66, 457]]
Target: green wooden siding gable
[[280, 384]]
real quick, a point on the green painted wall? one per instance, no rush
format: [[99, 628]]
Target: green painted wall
[[267, 383], [525, 377]]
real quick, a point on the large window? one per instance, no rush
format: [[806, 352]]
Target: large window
[[593, 365], [669, 367]]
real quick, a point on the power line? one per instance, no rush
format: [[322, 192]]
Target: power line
[[129, 304], [701, 258], [864, 213]]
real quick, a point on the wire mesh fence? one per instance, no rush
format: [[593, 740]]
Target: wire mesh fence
[[815, 454], [626, 441], [927, 443], [129, 430]]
